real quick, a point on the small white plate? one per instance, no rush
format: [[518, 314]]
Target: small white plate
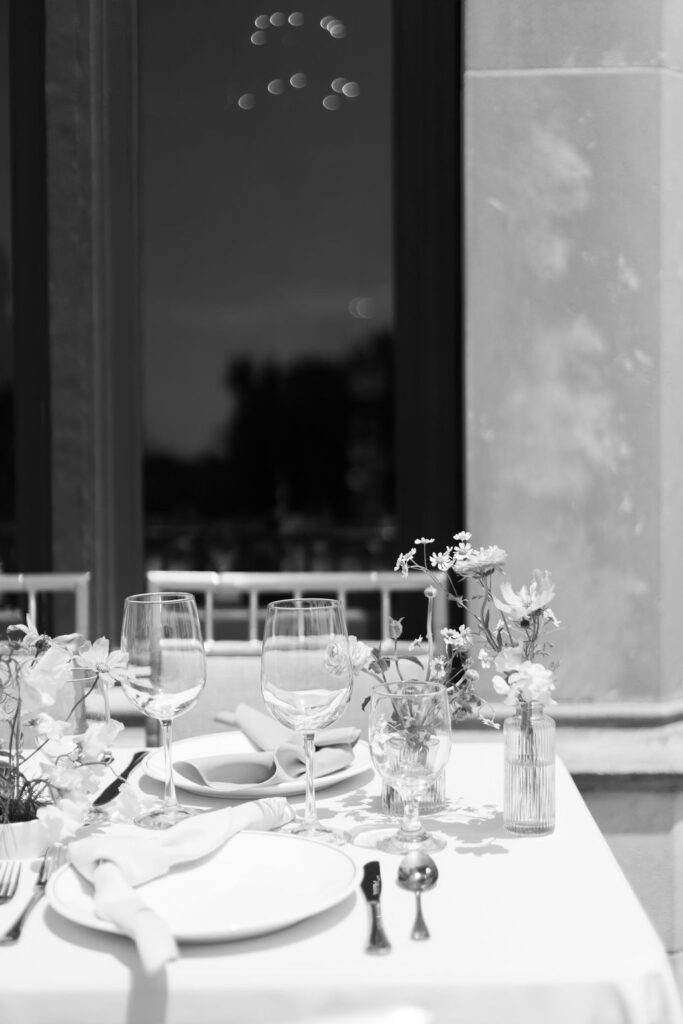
[[259, 882], [237, 743]]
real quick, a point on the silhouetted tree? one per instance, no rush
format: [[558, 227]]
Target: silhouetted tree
[[307, 449]]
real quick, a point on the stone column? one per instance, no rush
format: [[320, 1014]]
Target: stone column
[[574, 244]]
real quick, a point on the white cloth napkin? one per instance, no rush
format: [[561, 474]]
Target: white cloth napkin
[[279, 758], [267, 734], [123, 857], [229, 773]]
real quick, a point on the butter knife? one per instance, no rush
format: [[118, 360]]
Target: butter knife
[[371, 886], [113, 788]]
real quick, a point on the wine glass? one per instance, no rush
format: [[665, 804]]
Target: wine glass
[[409, 731], [306, 681], [163, 639]]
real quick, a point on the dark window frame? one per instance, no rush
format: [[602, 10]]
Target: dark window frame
[[428, 272], [427, 275]]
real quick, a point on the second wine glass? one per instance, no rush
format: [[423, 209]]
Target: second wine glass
[[306, 681], [162, 636]]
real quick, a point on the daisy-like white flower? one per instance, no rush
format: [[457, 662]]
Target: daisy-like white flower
[[462, 536], [404, 561], [437, 669], [110, 667], [423, 540], [459, 640], [520, 606], [442, 560]]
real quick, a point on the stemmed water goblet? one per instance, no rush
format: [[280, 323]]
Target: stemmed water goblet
[[162, 636], [306, 682], [409, 732]]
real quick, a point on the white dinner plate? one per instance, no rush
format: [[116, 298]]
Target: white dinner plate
[[237, 743], [259, 882]]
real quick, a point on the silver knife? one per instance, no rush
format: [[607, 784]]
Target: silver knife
[[113, 788], [372, 889]]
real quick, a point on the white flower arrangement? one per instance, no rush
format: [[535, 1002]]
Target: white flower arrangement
[[54, 781], [515, 646]]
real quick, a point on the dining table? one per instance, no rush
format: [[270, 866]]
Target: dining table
[[523, 929]]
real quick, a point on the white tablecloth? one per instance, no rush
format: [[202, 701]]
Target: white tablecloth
[[524, 931]]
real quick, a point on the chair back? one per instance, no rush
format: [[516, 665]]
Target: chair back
[[240, 597], [234, 666], [34, 584]]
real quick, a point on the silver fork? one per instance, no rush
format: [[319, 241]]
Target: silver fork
[[53, 859], [9, 877]]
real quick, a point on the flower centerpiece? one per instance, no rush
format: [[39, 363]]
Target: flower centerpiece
[[54, 779], [515, 646], [504, 631]]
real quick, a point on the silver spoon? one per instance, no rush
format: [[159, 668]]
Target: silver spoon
[[417, 872]]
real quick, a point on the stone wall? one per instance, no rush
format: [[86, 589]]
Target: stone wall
[[574, 370], [574, 255]]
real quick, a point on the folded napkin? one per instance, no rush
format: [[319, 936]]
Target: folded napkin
[[267, 734], [228, 773], [280, 757], [123, 857]]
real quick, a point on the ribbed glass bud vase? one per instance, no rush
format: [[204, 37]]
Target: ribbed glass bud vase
[[529, 797]]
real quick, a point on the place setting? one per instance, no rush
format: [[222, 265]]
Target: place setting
[[165, 878]]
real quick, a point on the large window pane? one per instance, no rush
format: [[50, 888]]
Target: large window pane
[[267, 305]]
